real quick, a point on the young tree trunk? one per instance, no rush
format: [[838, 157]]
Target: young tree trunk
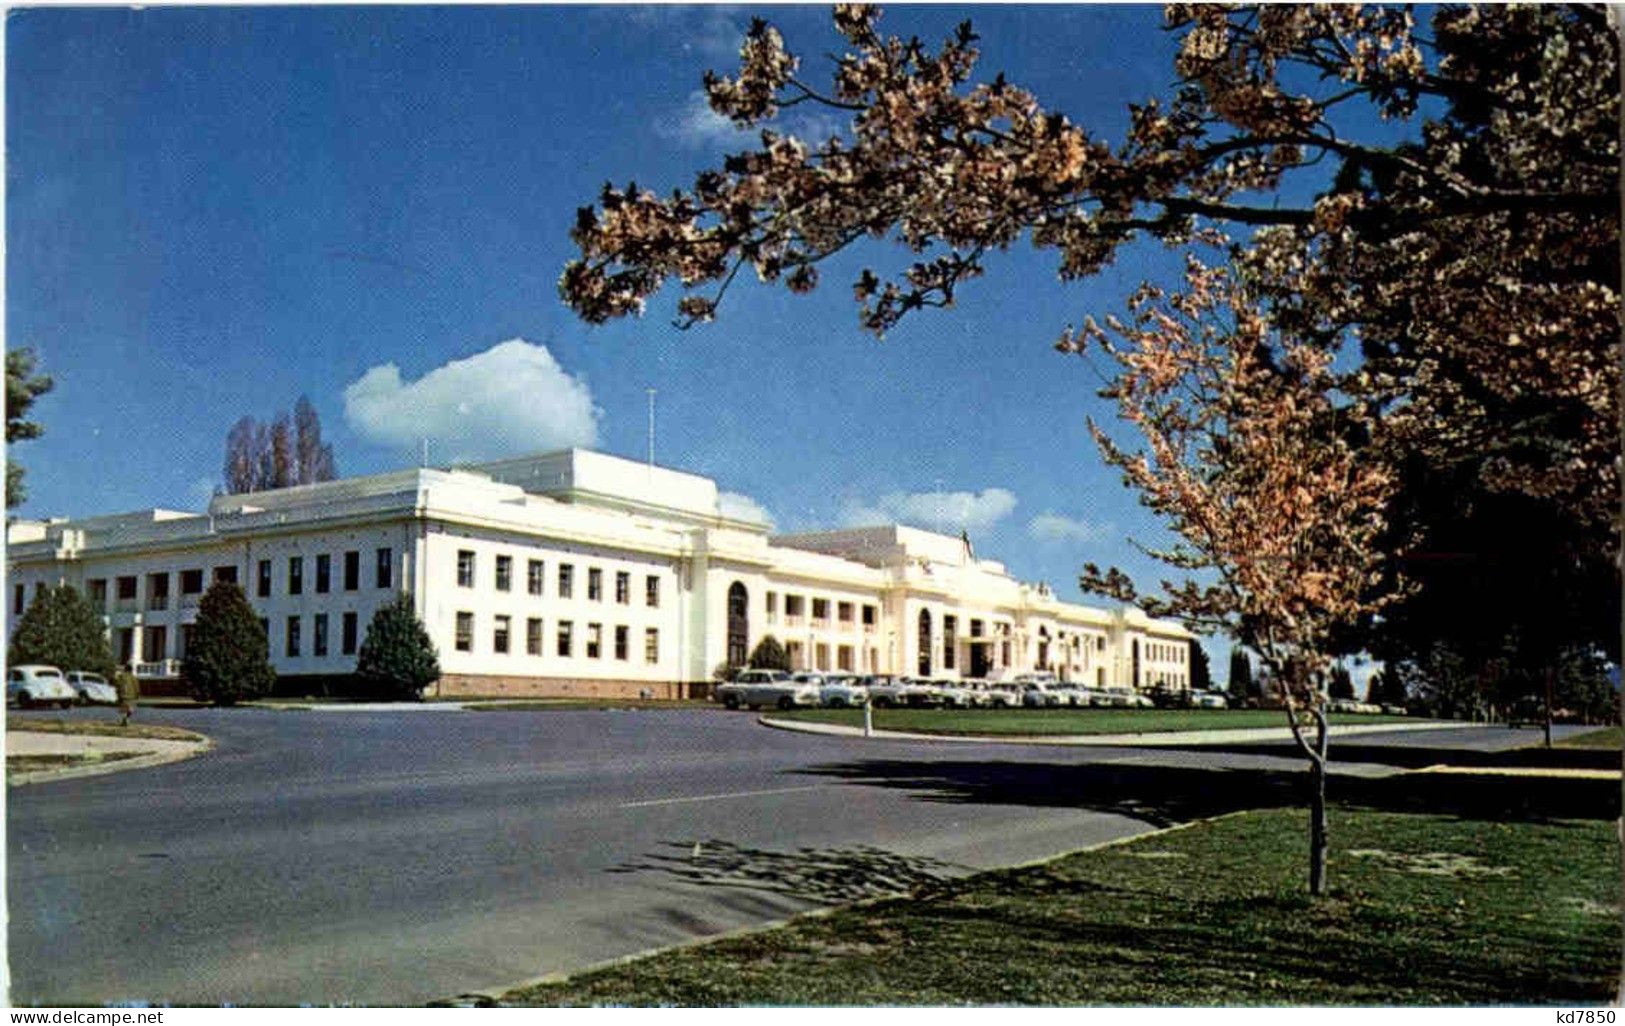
[[1317, 826]]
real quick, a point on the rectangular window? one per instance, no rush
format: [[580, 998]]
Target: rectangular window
[[565, 627], [820, 610], [97, 589], [794, 606], [465, 632], [318, 635], [651, 645], [191, 582], [18, 594], [465, 568], [595, 639], [651, 591], [155, 647], [296, 574], [157, 591], [622, 642], [567, 580], [595, 584], [347, 634], [869, 617], [226, 574], [623, 587], [950, 644], [185, 640], [843, 613], [843, 658], [324, 573], [386, 568], [500, 626], [535, 575], [504, 573], [533, 636], [293, 637], [126, 586], [352, 570], [265, 629], [772, 606]]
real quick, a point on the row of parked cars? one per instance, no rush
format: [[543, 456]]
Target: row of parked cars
[[757, 689], [36, 685]]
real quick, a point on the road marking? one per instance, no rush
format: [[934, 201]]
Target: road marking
[[719, 797]]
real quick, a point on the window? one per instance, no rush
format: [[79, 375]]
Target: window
[[227, 574], [318, 635], [386, 568], [651, 645], [868, 617], [820, 610], [843, 658], [465, 632], [18, 594], [96, 588], [324, 573], [772, 606], [465, 568], [533, 636], [296, 574], [950, 643], [794, 605], [843, 613], [185, 639], [651, 591], [595, 639], [157, 591], [191, 582], [155, 647], [534, 576], [925, 643], [622, 639], [292, 648], [347, 631], [499, 635], [352, 570], [595, 584], [265, 629], [504, 573], [126, 585], [623, 587], [565, 627], [567, 575]]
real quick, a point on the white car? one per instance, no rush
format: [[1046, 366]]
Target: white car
[[843, 693], [886, 692], [732, 693], [953, 693], [1004, 695], [92, 688], [35, 684], [918, 692], [1121, 696], [1037, 695], [1208, 700], [783, 693]]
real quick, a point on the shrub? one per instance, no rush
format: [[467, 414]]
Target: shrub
[[64, 630], [397, 658], [769, 655], [229, 657]]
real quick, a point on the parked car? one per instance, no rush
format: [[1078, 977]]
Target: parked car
[[36, 684], [919, 693], [1208, 700], [1121, 696], [732, 693], [981, 693], [92, 688], [886, 691], [783, 693], [1168, 696], [1004, 695], [843, 692], [1036, 695], [952, 693], [1343, 705]]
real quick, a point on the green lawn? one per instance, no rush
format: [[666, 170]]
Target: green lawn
[[1062, 721], [1607, 737], [62, 760], [1424, 910], [102, 728]]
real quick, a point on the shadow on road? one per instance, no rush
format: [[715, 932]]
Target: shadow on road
[[1165, 795], [826, 875]]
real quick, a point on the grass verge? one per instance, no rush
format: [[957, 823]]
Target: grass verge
[[1424, 910], [103, 728], [1607, 737], [32, 763], [1062, 721]]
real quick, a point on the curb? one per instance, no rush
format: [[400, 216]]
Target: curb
[[491, 997], [1147, 739], [157, 758]]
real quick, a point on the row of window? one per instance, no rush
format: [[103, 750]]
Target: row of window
[[536, 579], [564, 635], [293, 634], [795, 607], [1162, 652], [383, 574]]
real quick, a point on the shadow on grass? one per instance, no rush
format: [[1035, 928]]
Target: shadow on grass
[[826, 875], [1418, 757], [1165, 795]]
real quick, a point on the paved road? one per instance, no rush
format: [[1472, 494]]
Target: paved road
[[395, 857]]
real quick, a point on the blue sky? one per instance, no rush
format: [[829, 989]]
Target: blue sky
[[213, 211]]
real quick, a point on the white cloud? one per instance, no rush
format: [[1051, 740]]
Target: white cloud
[[513, 398], [942, 511], [743, 507], [696, 124], [1053, 527]]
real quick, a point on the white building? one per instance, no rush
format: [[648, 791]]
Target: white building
[[574, 573]]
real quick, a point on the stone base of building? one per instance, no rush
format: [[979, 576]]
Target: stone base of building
[[478, 685]]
